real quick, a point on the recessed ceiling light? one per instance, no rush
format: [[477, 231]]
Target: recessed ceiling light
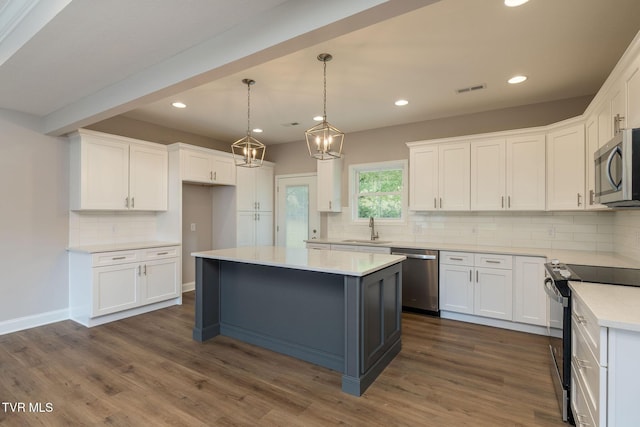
[[517, 79], [514, 3], [179, 104], [318, 118], [401, 102], [257, 130]]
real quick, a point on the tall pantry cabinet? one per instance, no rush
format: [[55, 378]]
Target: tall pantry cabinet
[[254, 204]]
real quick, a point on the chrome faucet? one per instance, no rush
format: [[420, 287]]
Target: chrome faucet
[[374, 234]]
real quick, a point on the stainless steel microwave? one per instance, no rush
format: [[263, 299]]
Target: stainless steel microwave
[[617, 170]]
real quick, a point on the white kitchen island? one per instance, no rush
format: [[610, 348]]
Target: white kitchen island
[[340, 310]]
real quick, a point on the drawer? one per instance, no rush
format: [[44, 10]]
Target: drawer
[[585, 321], [374, 249], [585, 366], [582, 410], [160, 253], [114, 258], [493, 261], [346, 248], [456, 258]]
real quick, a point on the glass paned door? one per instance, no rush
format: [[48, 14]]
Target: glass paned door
[[298, 217]]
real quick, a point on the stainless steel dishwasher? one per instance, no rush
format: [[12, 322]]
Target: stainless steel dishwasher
[[419, 280]]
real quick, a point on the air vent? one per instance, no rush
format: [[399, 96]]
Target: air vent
[[471, 88], [288, 125]]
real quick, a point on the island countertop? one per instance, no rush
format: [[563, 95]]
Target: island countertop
[[335, 262]]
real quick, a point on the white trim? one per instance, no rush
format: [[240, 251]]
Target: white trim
[[188, 287], [28, 322], [389, 164], [496, 323], [101, 320]]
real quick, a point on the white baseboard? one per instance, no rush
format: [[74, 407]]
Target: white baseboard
[[496, 323], [101, 320], [188, 287], [28, 322]]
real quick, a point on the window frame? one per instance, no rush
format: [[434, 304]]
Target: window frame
[[354, 169]]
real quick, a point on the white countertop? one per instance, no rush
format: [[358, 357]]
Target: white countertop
[[614, 306], [604, 259], [91, 249], [335, 262]]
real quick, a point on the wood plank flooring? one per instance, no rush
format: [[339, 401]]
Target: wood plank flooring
[[147, 370]]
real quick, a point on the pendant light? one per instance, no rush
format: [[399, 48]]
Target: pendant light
[[248, 152], [324, 141]]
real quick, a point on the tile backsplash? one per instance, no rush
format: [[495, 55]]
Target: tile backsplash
[[97, 228], [589, 231], [626, 227]]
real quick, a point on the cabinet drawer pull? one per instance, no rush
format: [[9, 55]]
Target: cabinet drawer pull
[[139, 270], [491, 261], [440, 202], [435, 203], [455, 259], [477, 276], [509, 202], [591, 197], [162, 253], [126, 202], [502, 203], [115, 258], [145, 269], [579, 319], [470, 276], [579, 201]]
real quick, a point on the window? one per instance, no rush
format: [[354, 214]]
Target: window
[[378, 190]]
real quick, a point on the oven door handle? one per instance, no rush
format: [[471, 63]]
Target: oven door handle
[[554, 294]]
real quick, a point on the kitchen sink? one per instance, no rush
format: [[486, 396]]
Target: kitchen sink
[[375, 242]]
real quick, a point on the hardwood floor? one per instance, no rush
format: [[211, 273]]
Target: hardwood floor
[[147, 370]]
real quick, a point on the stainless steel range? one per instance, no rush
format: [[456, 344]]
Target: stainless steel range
[[556, 285]]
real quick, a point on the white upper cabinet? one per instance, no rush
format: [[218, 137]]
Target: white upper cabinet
[[526, 174], [454, 171], [254, 188], [423, 178], [200, 165], [147, 173], [109, 172], [566, 168], [488, 175], [508, 173], [439, 177], [632, 91], [592, 145], [329, 185]]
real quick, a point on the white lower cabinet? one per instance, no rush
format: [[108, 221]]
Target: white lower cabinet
[[605, 379], [479, 284], [112, 283], [494, 286], [254, 228], [529, 298]]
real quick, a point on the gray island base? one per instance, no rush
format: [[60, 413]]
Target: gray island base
[[340, 310]]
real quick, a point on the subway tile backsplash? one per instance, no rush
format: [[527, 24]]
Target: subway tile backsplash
[[626, 229], [98, 228], [588, 231]]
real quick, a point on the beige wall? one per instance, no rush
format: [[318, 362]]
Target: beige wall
[[125, 126], [34, 183], [197, 208]]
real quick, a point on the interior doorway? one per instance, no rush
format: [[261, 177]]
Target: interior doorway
[[297, 216]]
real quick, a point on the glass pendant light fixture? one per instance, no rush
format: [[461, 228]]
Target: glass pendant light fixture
[[248, 152], [324, 141]]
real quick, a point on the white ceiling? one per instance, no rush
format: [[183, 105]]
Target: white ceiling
[[87, 60]]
